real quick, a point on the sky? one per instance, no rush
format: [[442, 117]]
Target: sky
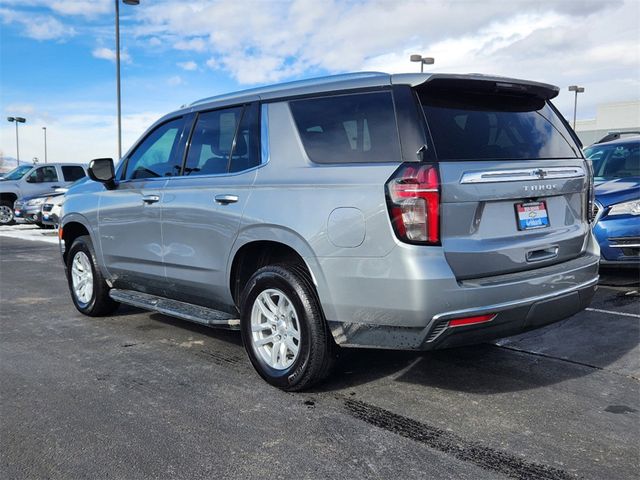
[[57, 58]]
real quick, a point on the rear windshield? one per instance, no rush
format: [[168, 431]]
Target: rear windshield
[[350, 128], [472, 126]]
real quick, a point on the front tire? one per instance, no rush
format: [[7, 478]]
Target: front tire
[[6, 213], [89, 291], [283, 328]]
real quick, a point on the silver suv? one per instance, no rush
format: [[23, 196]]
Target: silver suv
[[408, 211]]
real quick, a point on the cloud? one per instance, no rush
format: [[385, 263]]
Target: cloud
[[189, 66], [175, 81], [271, 41], [192, 44], [38, 27], [86, 8], [108, 54]]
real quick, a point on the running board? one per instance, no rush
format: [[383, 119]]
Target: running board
[[174, 308]]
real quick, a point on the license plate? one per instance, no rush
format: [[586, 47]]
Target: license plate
[[532, 215]]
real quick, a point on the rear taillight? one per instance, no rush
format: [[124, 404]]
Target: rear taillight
[[413, 197]]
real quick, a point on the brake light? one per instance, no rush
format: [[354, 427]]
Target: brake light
[[413, 197], [459, 322]]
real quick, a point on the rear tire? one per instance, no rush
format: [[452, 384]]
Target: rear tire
[[6, 213], [283, 328], [89, 291]]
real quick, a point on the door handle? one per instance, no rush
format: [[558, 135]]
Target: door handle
[[150, 198], [226, 199]]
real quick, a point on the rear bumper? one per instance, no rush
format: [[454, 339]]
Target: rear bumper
[[510, 319], [414, 314]]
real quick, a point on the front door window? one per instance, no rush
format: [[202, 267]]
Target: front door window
[[157, 155]]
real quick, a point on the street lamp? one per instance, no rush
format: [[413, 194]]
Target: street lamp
[[577, 90], [44, 129], [423, 61], [17, 120], [126, 2]]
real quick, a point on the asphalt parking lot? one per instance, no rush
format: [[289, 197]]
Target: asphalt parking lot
[[141, 395]]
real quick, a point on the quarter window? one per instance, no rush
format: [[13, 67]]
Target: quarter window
[[353, 128], [157, 155]]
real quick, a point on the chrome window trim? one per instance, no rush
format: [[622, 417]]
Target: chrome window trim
[[522, 174], [216, 175]]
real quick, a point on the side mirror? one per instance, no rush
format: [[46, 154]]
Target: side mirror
[[101, 170], [30, 179]]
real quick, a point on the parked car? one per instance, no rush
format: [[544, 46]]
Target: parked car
[[32, 181], [616, 166], [408, 211], [29, 209], [51, 210]]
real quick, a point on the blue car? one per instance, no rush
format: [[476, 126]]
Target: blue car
[[616, 167]]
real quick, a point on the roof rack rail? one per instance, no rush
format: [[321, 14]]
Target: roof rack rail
[[616, 134], [291, 85]]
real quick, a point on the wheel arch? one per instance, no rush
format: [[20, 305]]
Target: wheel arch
[[8, 196], [258, 245], [73, 226]]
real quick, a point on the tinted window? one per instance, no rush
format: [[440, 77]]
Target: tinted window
[[615, 161], [43, 174], [469, 126], [348, 128], [212, 142], [157, 155], [72, 173]]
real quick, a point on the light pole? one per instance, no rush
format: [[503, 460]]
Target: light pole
[[44, 129], [423, 61], [577, 90], [126, 2], [17, 120]]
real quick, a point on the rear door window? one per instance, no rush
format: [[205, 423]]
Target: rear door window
[[350, 128], [72, 173], [212, 142], [224, 141], [483, 126]]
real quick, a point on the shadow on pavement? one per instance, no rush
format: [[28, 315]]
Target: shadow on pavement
[[619, 277], [573, 348]]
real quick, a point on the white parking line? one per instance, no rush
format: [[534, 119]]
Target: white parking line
[[624, 314]]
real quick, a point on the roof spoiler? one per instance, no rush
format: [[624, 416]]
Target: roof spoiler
[[491, 84]]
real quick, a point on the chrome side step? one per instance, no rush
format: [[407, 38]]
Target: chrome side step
[[174, 308]]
